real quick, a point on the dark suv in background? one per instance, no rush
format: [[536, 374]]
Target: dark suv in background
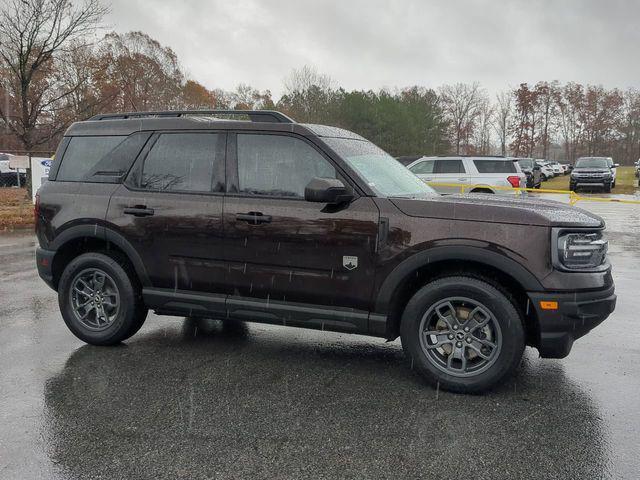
[[251, 216], [592, 172]]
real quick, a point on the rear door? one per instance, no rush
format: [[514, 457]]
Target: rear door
[[290, 259], [451, 172], [170, 210]]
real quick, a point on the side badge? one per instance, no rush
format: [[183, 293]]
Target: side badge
[[349, 262]]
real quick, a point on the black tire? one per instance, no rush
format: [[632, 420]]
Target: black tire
[[130, 314], [482, 190], [510, 338], [538, 186], [607, 188], [572, 187]]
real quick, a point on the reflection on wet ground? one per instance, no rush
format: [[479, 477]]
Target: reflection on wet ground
[[206, 399]]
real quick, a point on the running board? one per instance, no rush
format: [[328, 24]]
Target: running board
[[181, 303]]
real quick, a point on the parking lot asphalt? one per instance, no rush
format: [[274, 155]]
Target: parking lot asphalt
[[187, 399]]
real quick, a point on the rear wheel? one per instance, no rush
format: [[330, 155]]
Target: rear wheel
[[100, 299], [462, 334]]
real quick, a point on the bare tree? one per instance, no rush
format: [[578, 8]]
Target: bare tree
[[460, 104], [307, 95], [502, 118], [482, 130], [303, 79], [33, 36]]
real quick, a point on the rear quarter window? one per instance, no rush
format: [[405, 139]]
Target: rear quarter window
[[100, 159], [495, 166]]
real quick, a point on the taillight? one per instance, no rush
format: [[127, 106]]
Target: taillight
[[36, 208], [514, 181]]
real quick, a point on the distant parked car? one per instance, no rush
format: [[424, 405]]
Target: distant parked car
[[485, 173], [566, 168], [614, 170], [8, 175], [532, 171], [638, 168], [591, 172], [557, 169], [545, 169]]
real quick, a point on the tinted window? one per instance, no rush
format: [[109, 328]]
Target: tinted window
[[449, 166], [495, 166], [83, 154], [115, 164], [423, 167], [278, 165], [182, 162]]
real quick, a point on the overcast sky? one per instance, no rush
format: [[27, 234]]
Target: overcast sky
[[369, 44]]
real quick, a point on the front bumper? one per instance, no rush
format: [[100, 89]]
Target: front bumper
[[591, 182], [44, 262], [576, 315]]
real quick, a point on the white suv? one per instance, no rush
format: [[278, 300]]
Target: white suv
[[481, 174]]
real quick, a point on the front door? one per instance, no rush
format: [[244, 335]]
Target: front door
[[290, 259], [170, 211]]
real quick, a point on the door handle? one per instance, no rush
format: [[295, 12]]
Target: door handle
[[253, 218], [462, 179], [139, 211]]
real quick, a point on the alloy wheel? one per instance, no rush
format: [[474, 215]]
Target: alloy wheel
[[460, 336], [95, 299]]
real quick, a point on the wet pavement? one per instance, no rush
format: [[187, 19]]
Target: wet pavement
[[186, 399]]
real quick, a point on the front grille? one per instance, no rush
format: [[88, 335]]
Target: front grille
[[589, 175]]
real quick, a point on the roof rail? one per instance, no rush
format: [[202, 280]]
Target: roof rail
[[269, 116]]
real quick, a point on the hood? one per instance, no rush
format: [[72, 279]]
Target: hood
[[498, 209]]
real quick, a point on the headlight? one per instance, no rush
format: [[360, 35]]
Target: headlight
[[606, 175], [580, 250]]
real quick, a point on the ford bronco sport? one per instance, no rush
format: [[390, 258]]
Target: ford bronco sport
[[251, 216]]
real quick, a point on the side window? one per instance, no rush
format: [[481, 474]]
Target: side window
[[449, 166], [495, 166], [425, 167], [83, 154], [182, 162], [278, 165]]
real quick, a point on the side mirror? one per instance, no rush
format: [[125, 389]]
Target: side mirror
[[616, 165], [327, 190]]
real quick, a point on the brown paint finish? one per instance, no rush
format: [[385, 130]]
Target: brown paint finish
[[287, 260], [298, 255], [180, 244]]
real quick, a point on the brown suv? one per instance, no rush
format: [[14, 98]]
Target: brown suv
[[255, 217]]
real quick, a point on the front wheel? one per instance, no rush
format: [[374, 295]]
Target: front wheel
[[100, 299], [462, 334]]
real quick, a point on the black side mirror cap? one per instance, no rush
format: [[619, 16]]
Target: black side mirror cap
[[327, 190]]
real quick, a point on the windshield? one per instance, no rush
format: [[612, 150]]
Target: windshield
[[592, 162], [383, 173]]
